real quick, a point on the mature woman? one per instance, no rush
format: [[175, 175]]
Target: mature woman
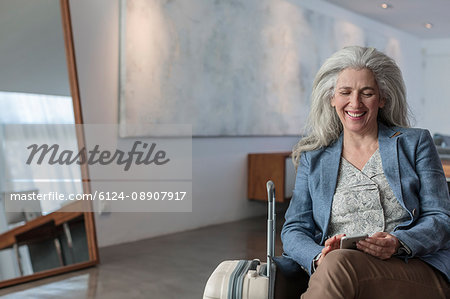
[[361, 170]]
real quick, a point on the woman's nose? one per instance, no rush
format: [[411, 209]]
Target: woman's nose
[[355, 99]]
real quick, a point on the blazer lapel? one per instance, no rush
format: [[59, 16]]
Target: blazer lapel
[[387, 141], [329, 169]]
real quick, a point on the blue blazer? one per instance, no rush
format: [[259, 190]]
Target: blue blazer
[[414, 171]]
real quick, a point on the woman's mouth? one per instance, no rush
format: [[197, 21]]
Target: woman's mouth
[[355, 114]]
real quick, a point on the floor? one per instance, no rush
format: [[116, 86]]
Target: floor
[[172, 266]]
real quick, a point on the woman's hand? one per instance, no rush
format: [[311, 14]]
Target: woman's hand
[[330, 245], [381, 245]]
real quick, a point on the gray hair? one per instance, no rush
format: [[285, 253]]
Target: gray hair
[[323, 124]]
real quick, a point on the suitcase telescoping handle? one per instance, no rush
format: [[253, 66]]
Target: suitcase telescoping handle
[[271, 222]]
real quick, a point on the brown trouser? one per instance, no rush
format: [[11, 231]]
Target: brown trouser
[[347, 273]]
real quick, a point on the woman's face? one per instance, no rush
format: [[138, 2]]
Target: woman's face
[[357, 100]]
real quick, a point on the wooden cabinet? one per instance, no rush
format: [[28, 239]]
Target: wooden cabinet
[[446, 165], [270, 166]]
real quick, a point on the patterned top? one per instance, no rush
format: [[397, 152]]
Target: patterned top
[[363, 202]]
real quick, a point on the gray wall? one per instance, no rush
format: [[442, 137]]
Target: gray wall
[[32, 55], [219, 164]]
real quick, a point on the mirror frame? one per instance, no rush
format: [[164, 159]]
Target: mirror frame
[[89, 221]]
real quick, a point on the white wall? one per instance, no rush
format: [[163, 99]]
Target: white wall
[[219, 164], [436, 102]]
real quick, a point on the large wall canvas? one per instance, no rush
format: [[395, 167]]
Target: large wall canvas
[[228, 67]]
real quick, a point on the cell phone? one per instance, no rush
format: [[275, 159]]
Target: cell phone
[[349, 242]]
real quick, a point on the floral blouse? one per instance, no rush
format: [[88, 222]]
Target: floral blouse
[[363, 202]]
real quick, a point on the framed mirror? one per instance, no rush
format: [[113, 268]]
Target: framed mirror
[[38, 85]]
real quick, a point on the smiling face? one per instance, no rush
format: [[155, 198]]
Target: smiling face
[[357, 100]]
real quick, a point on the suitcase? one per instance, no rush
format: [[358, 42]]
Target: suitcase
[[247, 279]]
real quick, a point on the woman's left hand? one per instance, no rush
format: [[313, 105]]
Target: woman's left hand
[[381, 245]]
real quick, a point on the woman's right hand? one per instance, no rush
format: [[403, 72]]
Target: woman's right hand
[[331, 244]]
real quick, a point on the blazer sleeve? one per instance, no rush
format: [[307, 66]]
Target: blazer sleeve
[[299, 228], [430, 230]]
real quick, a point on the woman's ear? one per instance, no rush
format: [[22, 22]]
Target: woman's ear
[[333, 104], [382, 103]]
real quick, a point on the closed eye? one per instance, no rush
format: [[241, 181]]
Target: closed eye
[[368, 95]]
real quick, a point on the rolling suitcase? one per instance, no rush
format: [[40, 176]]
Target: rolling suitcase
[[247, 279]]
